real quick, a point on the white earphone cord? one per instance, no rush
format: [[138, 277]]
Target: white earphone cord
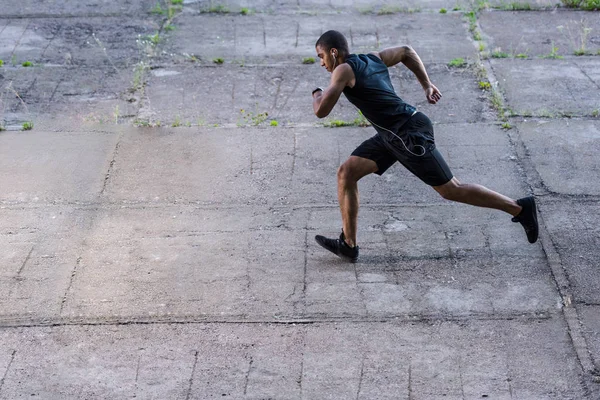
[[380, 127], [407, 149]]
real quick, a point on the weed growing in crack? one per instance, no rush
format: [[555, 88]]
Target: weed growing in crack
[[443, 11], [218, 60], [590, 5], [1, 63], [387, 10], [457, 62], [360, 120], [498, 53], [485, 85], [27, 126], [253, 119], [139, 77], [308, 60], [506, 126], [27, 64], [157, 10], [517, 6], [553, 53], [216, 9], [177, 122], [578, 34]]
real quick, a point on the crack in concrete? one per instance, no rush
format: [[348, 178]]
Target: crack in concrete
[[191, 381], [71, 279], [12, 358], [245, 319], [26, 260], [294, 157], [410, 393], [589, 77], [137, 375], [247, 378], [360, 379], [111, 165]]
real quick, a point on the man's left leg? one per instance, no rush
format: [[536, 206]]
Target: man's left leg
[[477, 195], [523, 210]]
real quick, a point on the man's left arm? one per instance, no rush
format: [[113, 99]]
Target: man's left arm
[[324, 100]]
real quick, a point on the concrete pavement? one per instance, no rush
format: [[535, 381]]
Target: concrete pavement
[[157, 223]]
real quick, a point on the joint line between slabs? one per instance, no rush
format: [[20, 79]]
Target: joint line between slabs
[[569, 311]]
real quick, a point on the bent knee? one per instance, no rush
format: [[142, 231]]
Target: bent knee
[[345, 173], [450, 191]]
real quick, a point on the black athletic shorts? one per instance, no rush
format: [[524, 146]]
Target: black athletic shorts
[[413, 146]]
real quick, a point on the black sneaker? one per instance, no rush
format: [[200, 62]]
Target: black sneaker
[[528, 218], [339, 247]]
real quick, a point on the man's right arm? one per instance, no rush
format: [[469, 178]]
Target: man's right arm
[[407, 56]]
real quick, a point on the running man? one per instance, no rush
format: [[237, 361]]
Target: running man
[[403, 134]]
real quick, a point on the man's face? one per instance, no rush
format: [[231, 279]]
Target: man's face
[[326, 58]]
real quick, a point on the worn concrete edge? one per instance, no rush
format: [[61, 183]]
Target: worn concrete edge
[[185, 319]]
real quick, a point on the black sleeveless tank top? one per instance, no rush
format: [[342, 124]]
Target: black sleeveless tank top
[[374, 95]]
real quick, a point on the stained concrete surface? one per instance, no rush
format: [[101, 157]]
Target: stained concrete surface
[[178, 261]]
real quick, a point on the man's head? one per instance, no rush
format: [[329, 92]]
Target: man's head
[[332, 49]]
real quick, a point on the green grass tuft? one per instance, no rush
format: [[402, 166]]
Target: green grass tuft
[[443, 11], [457, 62], [27, 64], [218, 60], [218, 9], [517, 6], [157, 9], [553, 53], [498, 53], [485, 85], [590, 5], [308, 60], [274, 123], [27, 126], [1, 63]]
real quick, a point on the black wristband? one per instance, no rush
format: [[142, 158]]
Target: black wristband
[[316, 90]]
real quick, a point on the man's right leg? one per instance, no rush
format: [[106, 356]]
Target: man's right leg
[[349, 173]]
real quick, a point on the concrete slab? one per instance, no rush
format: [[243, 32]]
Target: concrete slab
[[180, 262], [91, 41], [216, 95], [545, 87], [69, 8], [277, 166], [392, 360], [535, 33], [564, 153], [93, 95], [576, 239], [41, 167], [261, 38], [39, 251]]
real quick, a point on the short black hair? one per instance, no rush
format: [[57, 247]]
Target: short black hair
[[334, 40]]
